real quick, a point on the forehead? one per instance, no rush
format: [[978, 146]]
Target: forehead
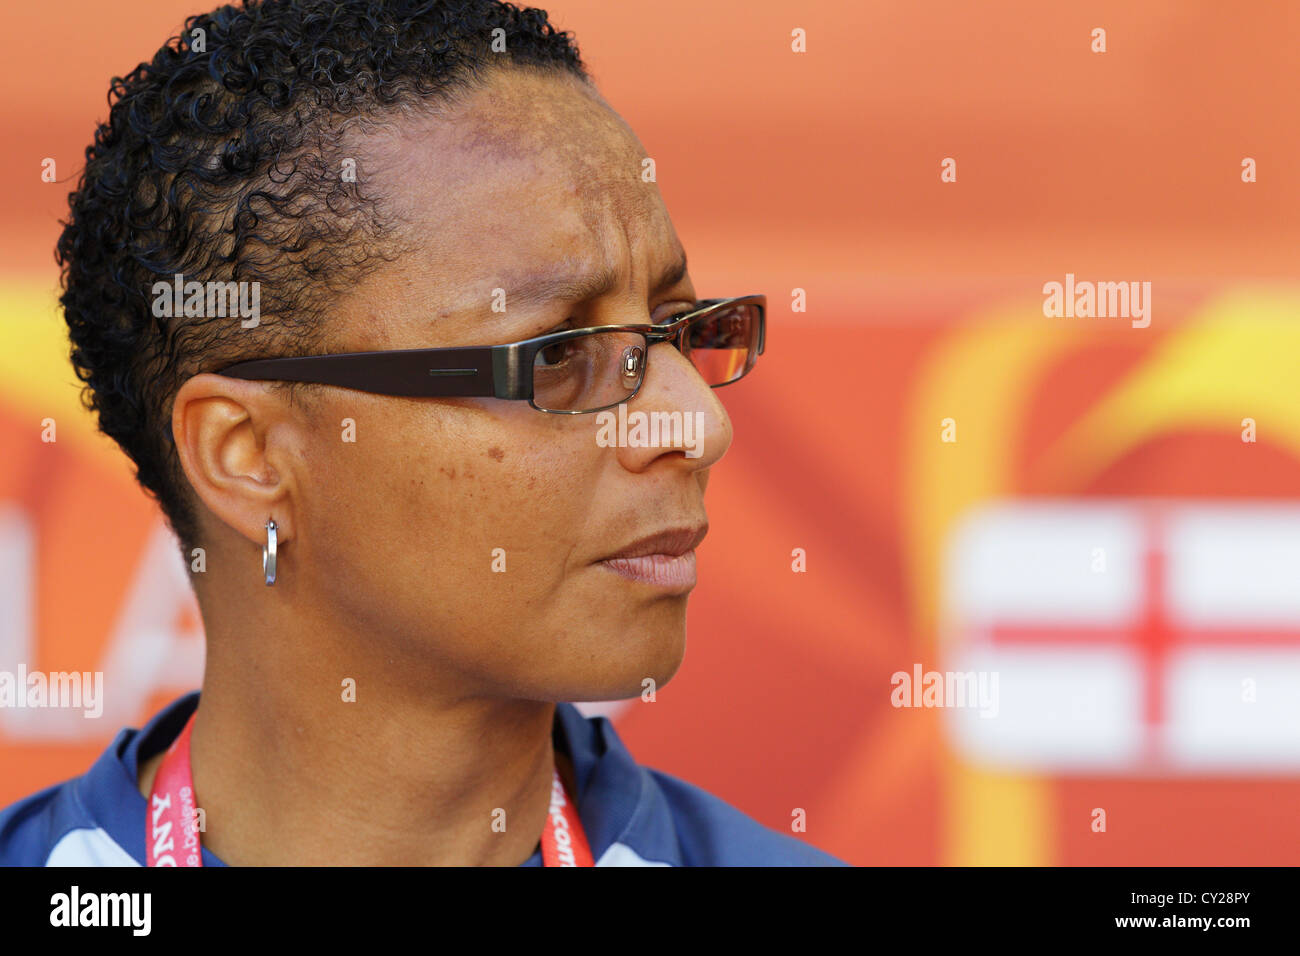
[[530, 173]]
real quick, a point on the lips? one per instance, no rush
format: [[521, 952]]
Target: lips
[[674, 543], [664, 560]]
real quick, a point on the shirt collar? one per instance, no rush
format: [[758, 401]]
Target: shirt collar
[[611, 788]]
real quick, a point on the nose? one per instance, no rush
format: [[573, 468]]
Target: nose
[[675, 415]]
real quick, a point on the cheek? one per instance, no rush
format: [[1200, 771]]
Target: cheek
[[447, 496], [468, 535], [475, 500]]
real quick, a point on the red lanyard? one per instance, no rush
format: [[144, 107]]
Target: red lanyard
[[174, 841]]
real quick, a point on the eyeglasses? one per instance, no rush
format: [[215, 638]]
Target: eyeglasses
[[566, 373]]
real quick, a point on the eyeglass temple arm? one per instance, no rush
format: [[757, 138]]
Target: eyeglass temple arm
[[487, 372]]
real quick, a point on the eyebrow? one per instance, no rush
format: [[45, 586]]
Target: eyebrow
[[580, 288]]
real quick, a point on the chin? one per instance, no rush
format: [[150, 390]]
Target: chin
[[617, 670]]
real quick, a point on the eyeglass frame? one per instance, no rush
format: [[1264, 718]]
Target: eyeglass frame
[[499, 371]]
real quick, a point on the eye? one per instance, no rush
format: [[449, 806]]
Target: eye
[[554, 355], [673, 311]]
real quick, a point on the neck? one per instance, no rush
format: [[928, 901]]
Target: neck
[[288, 773]]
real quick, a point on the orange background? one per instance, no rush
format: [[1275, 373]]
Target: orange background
[[817, 171]]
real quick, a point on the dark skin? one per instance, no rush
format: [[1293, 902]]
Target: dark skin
[[386, 543]]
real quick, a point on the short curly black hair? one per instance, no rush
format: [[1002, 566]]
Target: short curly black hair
[[221, 161]]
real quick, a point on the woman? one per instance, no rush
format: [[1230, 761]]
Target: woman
[[331, 276]]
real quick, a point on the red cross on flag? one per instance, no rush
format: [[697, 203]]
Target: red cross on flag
[[1132, 635]]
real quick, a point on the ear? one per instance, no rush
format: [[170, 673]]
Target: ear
[[236, 441]]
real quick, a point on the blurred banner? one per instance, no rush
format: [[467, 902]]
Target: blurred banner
[[991, 579]]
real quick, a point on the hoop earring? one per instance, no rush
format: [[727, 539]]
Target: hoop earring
[[268, 553]]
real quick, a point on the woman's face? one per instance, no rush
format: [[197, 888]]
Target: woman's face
[[401, 534]]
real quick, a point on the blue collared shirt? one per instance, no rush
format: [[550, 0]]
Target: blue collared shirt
[[633, 816]]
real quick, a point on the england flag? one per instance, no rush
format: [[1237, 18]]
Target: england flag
[[1142, 636]]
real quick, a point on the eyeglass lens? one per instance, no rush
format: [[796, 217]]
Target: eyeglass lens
[[590, 372]]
